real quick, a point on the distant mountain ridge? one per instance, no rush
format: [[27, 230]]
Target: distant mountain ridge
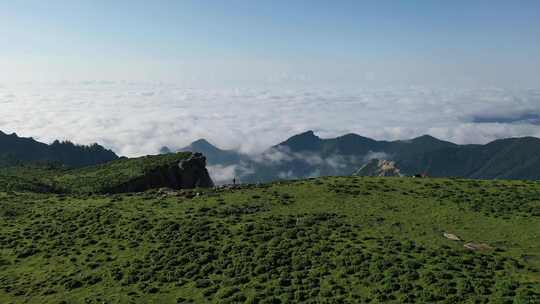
[[307, 155], [511, 158], [15, 150]]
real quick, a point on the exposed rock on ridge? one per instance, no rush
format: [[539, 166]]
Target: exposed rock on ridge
[[184, 174], [379, 167]]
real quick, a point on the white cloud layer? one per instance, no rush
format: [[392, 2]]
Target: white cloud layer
[[139, 118], [222, 174]]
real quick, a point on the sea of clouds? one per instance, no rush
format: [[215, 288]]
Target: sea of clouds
[[139, 118]]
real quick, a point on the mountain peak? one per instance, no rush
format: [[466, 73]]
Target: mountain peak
[[203, 146], [202, 143], [305, 141], [425, 137], [308, 135], [165, 150], [428, 139], [354, 137]]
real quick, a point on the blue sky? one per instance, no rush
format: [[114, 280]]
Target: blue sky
[[138, 75], [258, 43]]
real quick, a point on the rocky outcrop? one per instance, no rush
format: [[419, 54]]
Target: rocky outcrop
[[193, 173], [379, 167], [184, 174]]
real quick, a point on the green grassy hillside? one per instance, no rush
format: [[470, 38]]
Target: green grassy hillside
[[95, 179], [326, 240], [104, 177]]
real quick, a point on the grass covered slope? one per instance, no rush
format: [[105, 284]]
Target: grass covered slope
[[29, 178], [327, 240], [102, 178]]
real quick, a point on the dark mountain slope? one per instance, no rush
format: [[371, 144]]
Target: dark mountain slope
[[15, 150], [351, 144], [512, 158], [404, 149], [453, 161]]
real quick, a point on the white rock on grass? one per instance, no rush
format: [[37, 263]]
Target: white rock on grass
[[451, 236]]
